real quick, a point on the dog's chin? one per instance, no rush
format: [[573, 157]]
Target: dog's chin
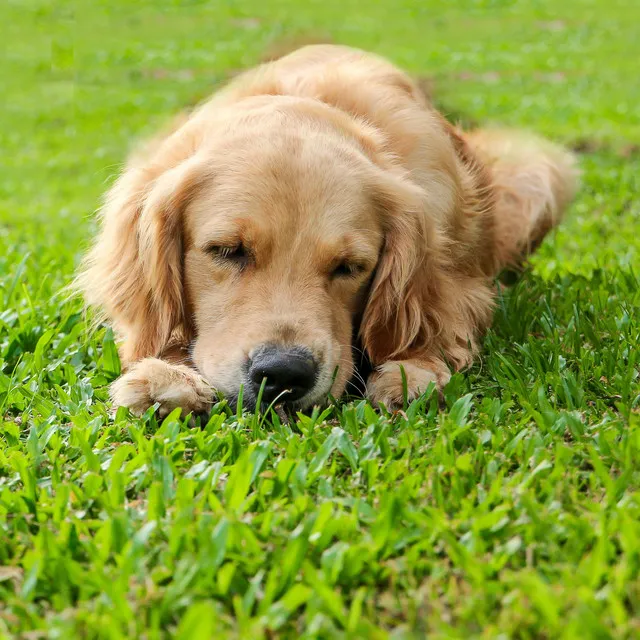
[[250, 403], [317, 396]]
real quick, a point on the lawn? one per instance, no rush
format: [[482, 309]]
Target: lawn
[[513, 512]]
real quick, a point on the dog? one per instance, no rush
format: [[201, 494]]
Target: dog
[[316, 202]]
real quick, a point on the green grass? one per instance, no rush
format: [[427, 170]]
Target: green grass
[[514, 512]]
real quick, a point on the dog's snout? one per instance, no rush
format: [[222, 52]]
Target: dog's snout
[[290, 372]]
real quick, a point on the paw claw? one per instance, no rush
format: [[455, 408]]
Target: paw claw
[[386, 385]]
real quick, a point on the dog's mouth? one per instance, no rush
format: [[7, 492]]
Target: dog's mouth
[[319, 395], [280, 404]]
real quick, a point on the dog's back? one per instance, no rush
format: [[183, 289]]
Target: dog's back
[[513, 186]]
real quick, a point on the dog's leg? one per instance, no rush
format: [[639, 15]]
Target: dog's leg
[[152, 380], [532, 181], [452, 323]]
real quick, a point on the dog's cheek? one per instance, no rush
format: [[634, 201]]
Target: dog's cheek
[[345, 374]]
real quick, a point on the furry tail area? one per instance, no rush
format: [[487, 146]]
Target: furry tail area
[[534, 181]]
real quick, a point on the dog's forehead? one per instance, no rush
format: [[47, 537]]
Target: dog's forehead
[[286, 225], [294, 198]]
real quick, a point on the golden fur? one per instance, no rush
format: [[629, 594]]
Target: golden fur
[[328, 156]]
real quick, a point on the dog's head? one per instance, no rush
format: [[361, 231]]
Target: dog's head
[[266, 247]]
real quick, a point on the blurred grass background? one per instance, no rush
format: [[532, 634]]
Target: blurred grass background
[[83, 80]]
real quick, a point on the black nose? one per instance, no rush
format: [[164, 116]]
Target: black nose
[[290, 371]]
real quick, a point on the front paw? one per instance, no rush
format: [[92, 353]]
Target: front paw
[[152, 381], [386, 386]]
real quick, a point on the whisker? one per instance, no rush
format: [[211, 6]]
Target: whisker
[[355, 375], [358, 350]]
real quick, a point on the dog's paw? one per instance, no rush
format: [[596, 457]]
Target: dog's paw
[[386, 384], [152, 381]]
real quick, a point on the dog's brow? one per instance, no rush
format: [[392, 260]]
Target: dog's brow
[[360, 246], [226, 232]]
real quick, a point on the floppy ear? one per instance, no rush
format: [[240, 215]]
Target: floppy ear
[[393, 317], [134, 270], [419, 305]]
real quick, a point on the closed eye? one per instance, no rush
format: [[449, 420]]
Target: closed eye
[[230, 254], [346, 269]]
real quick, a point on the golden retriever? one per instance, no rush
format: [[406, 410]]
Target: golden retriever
[[316, 201]]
